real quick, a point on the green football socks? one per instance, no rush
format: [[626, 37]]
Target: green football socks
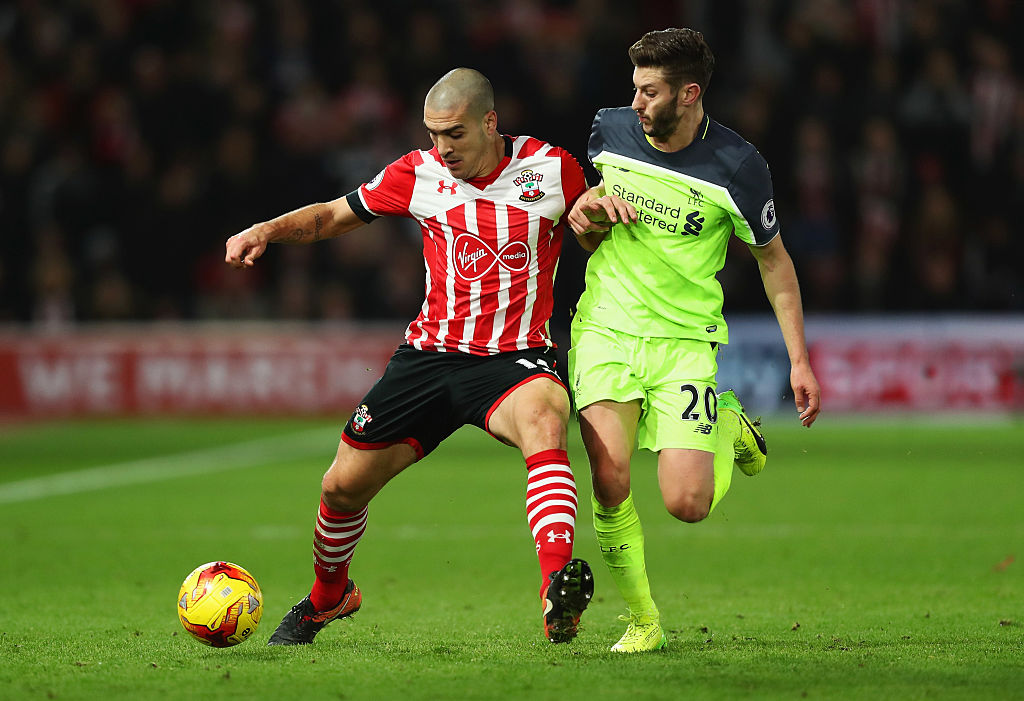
[[728, 430], [621, 538]]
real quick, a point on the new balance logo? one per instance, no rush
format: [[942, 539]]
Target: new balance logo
[[441, 187], [552, 536], [703, 428], [694, 223]]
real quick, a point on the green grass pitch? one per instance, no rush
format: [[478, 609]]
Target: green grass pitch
[[868, 561]]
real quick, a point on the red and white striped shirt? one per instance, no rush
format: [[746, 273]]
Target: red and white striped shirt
[[490, 244]]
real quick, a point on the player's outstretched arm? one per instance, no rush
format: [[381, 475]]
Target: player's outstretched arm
[[783, 290], [594, 213], [322, 220]]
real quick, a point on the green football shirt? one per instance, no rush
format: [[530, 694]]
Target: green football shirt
[[657, 277]]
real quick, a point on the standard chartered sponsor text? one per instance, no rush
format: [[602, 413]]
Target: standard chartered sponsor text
[[647, 207]]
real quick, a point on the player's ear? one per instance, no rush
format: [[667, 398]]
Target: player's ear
[[491, 122], [689, 94]]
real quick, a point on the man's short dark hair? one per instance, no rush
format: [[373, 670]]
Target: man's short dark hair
[[682, 55]]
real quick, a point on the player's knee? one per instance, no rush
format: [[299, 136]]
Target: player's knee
[[552, 425], [611, 484], [339, 495], [690, 507], [545, 420]]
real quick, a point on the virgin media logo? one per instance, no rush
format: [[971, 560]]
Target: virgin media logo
[[474, 258]]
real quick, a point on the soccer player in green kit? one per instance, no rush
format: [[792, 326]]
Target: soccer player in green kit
[[675, 186]]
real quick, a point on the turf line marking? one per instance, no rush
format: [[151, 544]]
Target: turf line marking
[[207, 460]]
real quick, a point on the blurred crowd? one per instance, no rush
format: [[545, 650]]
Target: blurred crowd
[[137, 135]]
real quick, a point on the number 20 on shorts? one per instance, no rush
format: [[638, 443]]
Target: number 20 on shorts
[[710, 403]]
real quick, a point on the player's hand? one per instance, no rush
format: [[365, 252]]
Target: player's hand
[[600, 214], [806, 393], [245, 247]]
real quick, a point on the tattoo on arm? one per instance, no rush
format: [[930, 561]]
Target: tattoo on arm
[[294, 236], [300, 234]]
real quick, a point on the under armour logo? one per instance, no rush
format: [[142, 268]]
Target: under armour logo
[[441, 187], [474, 258], [552, 536]]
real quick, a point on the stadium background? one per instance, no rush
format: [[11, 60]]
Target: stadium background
[[878, 557], [136, 135]]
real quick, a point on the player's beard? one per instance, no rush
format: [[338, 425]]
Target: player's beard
[[664, 121]]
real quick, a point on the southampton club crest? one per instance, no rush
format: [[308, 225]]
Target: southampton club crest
[[530, 183], [361, 418]]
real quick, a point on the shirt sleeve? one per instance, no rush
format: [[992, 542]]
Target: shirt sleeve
[[754, 222], [389, 193], [574, 182], [596, 144]]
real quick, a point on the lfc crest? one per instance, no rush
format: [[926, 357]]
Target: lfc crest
[[530, 183]]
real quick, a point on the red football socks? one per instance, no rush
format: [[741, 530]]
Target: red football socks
[[334, 540], [551, 509]]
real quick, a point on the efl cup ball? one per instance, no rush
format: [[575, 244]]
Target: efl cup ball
[[220, 604]]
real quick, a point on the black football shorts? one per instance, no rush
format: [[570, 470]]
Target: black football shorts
[[425, 396]]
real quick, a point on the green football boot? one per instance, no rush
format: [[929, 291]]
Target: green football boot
[[641, 636], [751, 450]]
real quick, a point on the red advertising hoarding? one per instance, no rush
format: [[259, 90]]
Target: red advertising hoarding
[[186, 370], [951, 375], [864, 365], [875, 365]]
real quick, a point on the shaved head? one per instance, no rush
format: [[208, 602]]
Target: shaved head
[[461, 89], [463, 126]]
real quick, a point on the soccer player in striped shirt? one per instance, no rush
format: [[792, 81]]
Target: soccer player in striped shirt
[[490, 209], [676, 185]]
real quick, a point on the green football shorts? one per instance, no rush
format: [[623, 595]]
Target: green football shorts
[[674, 378]]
